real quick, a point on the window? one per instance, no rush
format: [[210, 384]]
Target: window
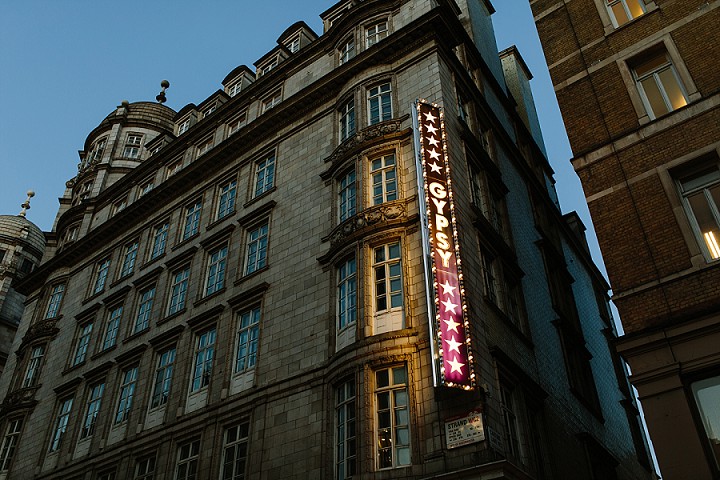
[[235, 448], [61, 423], [376, 32], [118, 206], [347, 196], [226, 203], [12, 435], [392, 417], [106, 475], [146, 187], [178, 290], [187, 464], [83, 341], [132, 145], [510, 421], [622, 11], [204, 352], [490, 275], [32, 372], [160, 233], [234, 89], [659, 84], [247, 343], [236, 124], [216, 270], [706, 393], [257, 248], [347, 291], [144, 310], [72, 234], [271, 101], [192, 219], [267, 68], [111, 328], [145, 469], [515, 302], [264, 175], [127, 392], [184, 126], [91, 410], [388, 277], [209, 110], [97, 150], [204, 147], [347, 51], [294, 44], [129, 257], [173, 168], [383, 179], [463, 109], [101, 274], [163, 378], [380, 103], [345, 441], [700, 192], [56, 296], [347, 120]]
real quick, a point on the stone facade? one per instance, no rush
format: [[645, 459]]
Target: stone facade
[[640, 98], [246, 296]]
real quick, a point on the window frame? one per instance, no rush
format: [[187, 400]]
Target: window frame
[[163, 378], [143, 310], [81, 344], [54, 302], [129, 258], [626, 10], [708, 244], [391, 389], [159, 239], [148, 470], [264, 174], [347, 286], [13, 431], [34, 366], [387, 192], [178, 292], [92, 409], [347, 195], [347, 120], [247, 339], [112, 327], [226, 198], [384, 99], [191, 219], [216, 269], [347, 50], [346, 436], [102, 269], [654, 72], [192, 460], [256, 249], [373, 35], [203, 359], [132, 145], [126, 394], [236, 445], [60, 425]]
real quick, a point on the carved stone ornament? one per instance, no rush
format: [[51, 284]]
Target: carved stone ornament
[[43, 328], [363, 136], [19, 399], [382, 213]]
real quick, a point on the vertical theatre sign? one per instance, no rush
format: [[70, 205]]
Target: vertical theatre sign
[[447, 311]]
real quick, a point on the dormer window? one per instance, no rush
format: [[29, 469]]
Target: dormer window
[[184, 126], [347, 51], [132, 145], [96, 152], [234, 89], [294, 44], [210, 109], [266, 68]]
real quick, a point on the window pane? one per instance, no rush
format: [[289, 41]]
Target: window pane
[[635, 7], [706, 393], [672, 89], [619, 12], [654, 96]]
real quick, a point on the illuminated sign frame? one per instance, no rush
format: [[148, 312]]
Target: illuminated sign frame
[[447, 310]]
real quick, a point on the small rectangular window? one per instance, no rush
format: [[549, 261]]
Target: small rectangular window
[[192, 219], [347, 51], [257, 245], [706, 393], [204, 354], [112, 327], [82, 343], [659, 84], [144, 310], [178, 290], [392, 415], [187, 463], [204, 147], [383, 179], [101, 273], [347, 196], [247, 339], [264, 175], [226, 201], [376, 32], [129, 257], [184, 126], [145, 468], [32, 372], [215, 279], [91, 410], [55, 300], [60, 425], [127, 392], [163, 378], [12, 435], [271, 101], [379, 103], [132, 146], [347, 120], [388, 277], [160, 234], [345, 433], [347, 293], [235, 451], [700, 192]]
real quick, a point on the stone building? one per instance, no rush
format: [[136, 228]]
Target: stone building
[[639, 90], [21, 248], [251, 287]]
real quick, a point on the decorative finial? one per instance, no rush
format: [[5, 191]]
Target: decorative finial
[[26, 205], [161, 98]]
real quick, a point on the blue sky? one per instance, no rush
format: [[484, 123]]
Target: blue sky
[[65, 65]]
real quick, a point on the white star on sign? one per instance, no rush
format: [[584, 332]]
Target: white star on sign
[[434, 154], [453, 344], [455, 366], [430, 128], [452, 325], [430, 117], [449, 306], [433, 141], [447, 288], [435, 167]]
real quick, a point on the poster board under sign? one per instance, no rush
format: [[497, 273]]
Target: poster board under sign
[[464, 430]]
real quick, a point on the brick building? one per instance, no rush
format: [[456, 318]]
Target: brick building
[[251, 287], [639, 90]]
